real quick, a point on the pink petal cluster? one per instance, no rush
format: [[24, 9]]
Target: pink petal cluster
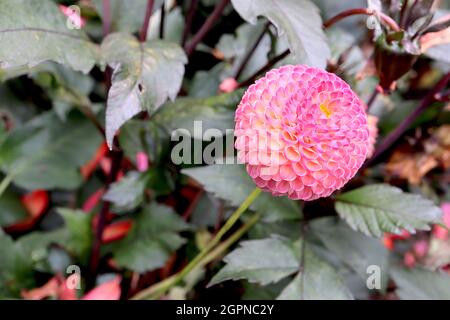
[[301, 131], [372, 122]]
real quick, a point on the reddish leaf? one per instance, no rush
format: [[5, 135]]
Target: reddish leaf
[[108, 218], [388, 243], [109, 290], [35, 202], [91, 165], [93, 200], [116, 231], [66, 291], [50, 289]]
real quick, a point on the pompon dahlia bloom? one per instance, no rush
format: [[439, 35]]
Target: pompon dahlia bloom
[[301, 131]]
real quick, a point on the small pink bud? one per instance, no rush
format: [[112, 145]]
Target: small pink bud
[[228, 85], [141, 161], [409, 260], [440, 232], [73, 16], [421, 248]]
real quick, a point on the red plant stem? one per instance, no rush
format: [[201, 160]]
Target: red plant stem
[[269, 65], [408, 121], [204, 29], [250, 52], [106, 17], [190, 209], [189, 18], [386, 19], [351, 12], [403, 13], [116, 158], [161, 23], [372, 98], [411, 10], [148, 15]]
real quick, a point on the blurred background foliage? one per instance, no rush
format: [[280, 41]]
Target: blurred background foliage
[[130, 218]]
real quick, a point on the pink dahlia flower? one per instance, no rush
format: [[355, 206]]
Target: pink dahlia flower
[[372, 122], [302, 132]]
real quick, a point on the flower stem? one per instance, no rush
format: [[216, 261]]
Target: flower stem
[[148, 14], [408, 121], [250, 52], [162, 22], [160, 288], [116, 160], [189, 18], [265, 68], [351, 12], [372, 98], [5, 183], [106, 17], [204, 29]]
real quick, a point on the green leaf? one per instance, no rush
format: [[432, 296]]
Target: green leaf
[[352, 248], [15, 268], [127, 193], [16, 110], [235, 49], [317, 281], [259, 261], [35, 244], [206, 83], [144, 136], [47, 153], [153, 238], [232, 183], [65, 87], [421, 284], [173, 23], [145, 76], [79, 226], [11, 209], [380, 208], [439, 52], [214, 113], [298, 20], [126, 16], [35, 31]]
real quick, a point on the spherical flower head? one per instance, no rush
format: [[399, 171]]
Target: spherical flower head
[[302, 132]]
